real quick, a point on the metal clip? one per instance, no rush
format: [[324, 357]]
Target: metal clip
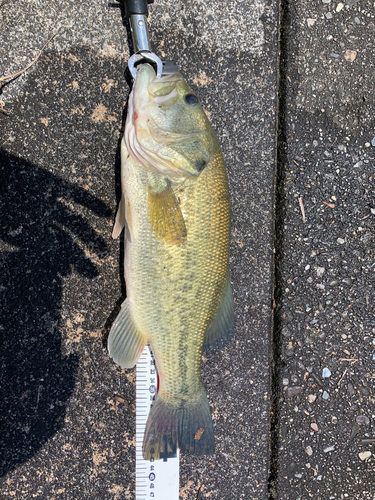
[[139, 30], [147, 57]]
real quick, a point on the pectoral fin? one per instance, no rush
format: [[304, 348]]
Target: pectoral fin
[[120, 219], [164, 213], [125, 341], [123, 218], [221, 328]]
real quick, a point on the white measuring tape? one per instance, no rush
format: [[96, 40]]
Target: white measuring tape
[[157, 479]]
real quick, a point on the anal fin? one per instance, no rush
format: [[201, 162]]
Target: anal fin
[[125, 341], [221, 328], [165, 216]]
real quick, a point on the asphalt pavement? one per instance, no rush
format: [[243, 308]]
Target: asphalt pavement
[[325, 321], [289, 92]]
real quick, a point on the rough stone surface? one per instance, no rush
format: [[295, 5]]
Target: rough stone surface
[[68, 413], [328, 316]]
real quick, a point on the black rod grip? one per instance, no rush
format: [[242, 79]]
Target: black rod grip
[[133, 7]]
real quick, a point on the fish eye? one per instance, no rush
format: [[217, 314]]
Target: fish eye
[[191, 99]]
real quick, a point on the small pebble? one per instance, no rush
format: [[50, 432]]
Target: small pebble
[[310, 22], [299, 476], [362, 420], [329, 15], [334, 420], [320, 271], [285, 381], [357, 21], [364, 455], [325, 395], [350, 55], [293, 391], [309, 450], [326, 373], [351, 390], [339, 7], [373, 142], [329, 448], [358, 164], [312, 398], [340, 241], [332, 54], [314, 427]]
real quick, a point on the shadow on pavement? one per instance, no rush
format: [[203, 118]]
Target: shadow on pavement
[[41, 235]]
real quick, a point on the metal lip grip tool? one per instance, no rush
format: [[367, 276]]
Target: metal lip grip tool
[[136, 12]]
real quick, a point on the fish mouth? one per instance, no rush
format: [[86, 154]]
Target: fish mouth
[[148, 143]]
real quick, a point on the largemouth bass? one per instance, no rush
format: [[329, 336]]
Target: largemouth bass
[[176, 212]]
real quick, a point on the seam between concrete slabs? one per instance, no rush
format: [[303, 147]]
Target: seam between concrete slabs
[[279, 209]]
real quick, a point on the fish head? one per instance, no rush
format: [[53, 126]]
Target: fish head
[[167, 129]]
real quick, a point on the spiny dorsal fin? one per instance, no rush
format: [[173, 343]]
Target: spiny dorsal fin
[[164, 213]]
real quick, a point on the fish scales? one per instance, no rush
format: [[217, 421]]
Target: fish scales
[[177, 285], [171, 281]]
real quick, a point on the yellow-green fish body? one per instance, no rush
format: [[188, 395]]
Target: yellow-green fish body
[[176, 210]]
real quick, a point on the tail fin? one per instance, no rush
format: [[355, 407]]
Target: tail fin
[[186, 425]]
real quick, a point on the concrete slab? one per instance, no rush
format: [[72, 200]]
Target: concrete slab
[[68, 412], [326, 447]]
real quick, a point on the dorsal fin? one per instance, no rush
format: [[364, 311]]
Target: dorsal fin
[[222, 326]]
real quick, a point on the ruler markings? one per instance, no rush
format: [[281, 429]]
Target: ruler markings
[[156, 479]]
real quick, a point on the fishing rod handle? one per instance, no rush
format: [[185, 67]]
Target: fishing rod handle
[[136, 7]]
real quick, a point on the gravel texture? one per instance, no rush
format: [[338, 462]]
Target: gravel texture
[[326, 419], [68, 413]]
